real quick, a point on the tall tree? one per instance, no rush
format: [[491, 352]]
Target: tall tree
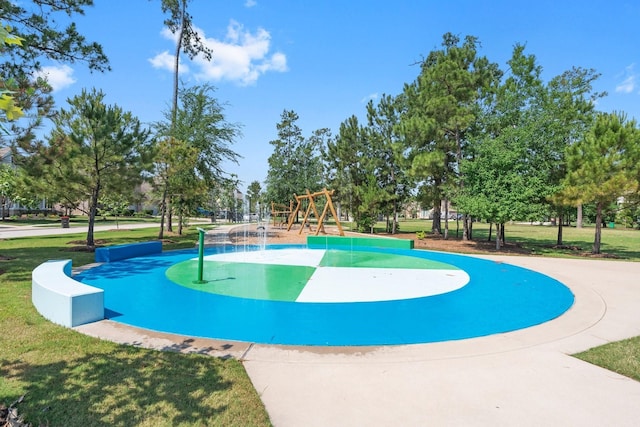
[[188, 41], [294, 165], [253, 193], [351, 172], [175, 175], [569, 110], [383, 123], [500, 184], [311, 162], [200, 123], [442, 107], [503, 179], [604, 166], [93, 149]]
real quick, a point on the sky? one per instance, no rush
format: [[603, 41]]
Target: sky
[[326, 59]]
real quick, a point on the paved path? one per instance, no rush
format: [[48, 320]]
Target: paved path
[[10, 232], [523, 378]]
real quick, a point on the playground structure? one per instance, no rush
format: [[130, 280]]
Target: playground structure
[[311, 207], [283, 214]]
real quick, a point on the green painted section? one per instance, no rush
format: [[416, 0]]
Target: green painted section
[[244, 280], [340, 258], [327, 242]]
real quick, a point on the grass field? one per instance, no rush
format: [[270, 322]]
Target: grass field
[[71, 379], [621, 243]]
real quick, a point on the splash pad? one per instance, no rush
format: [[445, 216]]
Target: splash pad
[[334, 294]]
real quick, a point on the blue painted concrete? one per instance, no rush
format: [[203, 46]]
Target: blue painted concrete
[[130, 250], [499, 298]]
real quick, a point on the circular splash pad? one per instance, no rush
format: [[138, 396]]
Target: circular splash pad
[[318, 275], [299, 296]]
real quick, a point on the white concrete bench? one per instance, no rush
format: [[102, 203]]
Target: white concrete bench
[[63, 300]]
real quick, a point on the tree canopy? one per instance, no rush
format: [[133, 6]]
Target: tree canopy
[[201, 127], [93, 149], [604, 166], [295, 163], [443, 104], [47, 32]]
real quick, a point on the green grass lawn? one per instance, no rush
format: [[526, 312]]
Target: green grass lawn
[[70, 379], [621, 243], [622, 357], [76, 221]]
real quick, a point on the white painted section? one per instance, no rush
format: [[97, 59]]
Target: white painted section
[[334, 284], [63, 300], [297, 257]]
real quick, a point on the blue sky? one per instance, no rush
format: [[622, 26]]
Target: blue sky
[[326, 59]]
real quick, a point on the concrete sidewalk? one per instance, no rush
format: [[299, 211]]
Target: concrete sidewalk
[[12, 232], [523, 378]]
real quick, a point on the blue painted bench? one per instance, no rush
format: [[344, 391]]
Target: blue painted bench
[[63, 300], [130, 250]]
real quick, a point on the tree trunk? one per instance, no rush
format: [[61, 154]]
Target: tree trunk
[[466, 232], [598, 236], [466, 225], [394, 229], [180, 214], [579, 217], [436, 227], [490, 228], [498, 225], [169, 210], [176, 69], [163, 209], [93, 209], [560, 227], [446, 219]]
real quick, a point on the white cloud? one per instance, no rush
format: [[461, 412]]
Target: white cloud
[[165, 61], [241, 57], [630, 82], [372, 96], [59, 77], [250, 3]]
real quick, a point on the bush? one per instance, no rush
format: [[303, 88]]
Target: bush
[[364, 223]]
